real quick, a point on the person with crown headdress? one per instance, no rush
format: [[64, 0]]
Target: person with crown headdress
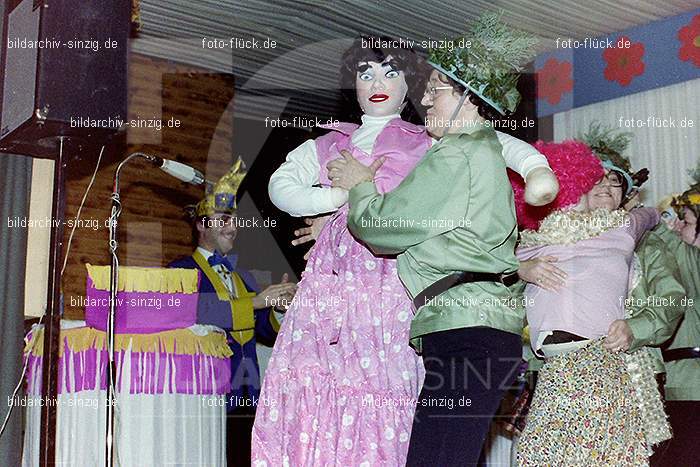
[[230, 298], [682, 352], [452, 224], [687, 207]]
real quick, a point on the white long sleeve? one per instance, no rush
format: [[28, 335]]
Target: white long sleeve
[[520, 156], [291, 186]]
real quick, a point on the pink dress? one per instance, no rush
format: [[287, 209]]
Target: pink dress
[[342, 382]]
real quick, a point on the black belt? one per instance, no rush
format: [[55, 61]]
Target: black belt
[[453, 280], [561, 337], [681, 354]]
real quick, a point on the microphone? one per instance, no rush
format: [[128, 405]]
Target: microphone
[[178, 170]]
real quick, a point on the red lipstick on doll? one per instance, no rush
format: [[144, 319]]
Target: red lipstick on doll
[[378, 98]]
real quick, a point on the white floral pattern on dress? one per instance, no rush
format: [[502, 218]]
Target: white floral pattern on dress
[[321, 382]]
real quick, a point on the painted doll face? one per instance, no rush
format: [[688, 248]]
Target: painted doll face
[[381, 87]]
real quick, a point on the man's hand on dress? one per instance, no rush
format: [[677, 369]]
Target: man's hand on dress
[[310, 233], [541, 272], [348, 171], [278, 296], [619, 337]]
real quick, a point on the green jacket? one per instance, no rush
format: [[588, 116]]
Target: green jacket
[[683, 376], [655, 302], [454, 212]]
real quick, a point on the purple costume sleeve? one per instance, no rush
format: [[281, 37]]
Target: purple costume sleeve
[[641, 220]]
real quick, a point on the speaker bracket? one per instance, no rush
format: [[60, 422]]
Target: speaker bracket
[[41, 114]]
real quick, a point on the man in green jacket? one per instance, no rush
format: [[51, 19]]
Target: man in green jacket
[[657, 297], [452, 224], [682, 352]]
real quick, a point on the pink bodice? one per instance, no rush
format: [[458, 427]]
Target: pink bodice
[[402, 144]]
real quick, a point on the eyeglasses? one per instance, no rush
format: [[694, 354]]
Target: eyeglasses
[[432, 90], [614, 180]]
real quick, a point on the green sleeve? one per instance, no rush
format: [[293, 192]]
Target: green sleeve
[[668, 236], [658, 299], [430, 201], [687, 257]]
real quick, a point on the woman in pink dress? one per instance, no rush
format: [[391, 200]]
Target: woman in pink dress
[[342, 382]]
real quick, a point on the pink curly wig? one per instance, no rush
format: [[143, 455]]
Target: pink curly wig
[[577, 168]]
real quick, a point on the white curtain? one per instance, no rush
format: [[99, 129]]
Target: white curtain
[[668, 153], [165, 429], [154, 430]]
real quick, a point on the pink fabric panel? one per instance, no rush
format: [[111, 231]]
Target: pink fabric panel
[[141, 312]]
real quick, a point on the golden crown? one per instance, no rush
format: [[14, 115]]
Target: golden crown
[[221, 199]]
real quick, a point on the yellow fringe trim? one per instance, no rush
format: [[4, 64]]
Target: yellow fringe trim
[[136, 279], [180, 341]]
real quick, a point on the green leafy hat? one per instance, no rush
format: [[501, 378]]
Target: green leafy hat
[[609, 145], [491, 64]]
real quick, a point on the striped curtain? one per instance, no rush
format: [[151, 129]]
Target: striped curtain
[[668, 152]]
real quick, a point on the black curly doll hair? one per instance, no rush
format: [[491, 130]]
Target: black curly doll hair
[[414, 67]]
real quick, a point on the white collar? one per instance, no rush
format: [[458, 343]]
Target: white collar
[[371, 120], [204, 252]]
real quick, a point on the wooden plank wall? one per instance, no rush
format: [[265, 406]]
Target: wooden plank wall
[[153, 228]]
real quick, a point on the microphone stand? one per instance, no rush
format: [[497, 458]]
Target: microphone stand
[[113, 287]]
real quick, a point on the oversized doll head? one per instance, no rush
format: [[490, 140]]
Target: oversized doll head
[[381, 81]]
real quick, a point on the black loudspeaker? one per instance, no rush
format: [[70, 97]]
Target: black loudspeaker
[[64, 73]]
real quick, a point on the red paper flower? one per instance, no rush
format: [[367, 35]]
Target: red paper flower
[[624, 63], [689, 35], [553, 80]]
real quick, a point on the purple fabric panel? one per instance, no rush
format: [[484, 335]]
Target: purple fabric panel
[[63, 372], [140, 312], [33, 372], [90, 373], [641, 220], [78, 365], [144, 377], [160, 380], [184, 375]]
